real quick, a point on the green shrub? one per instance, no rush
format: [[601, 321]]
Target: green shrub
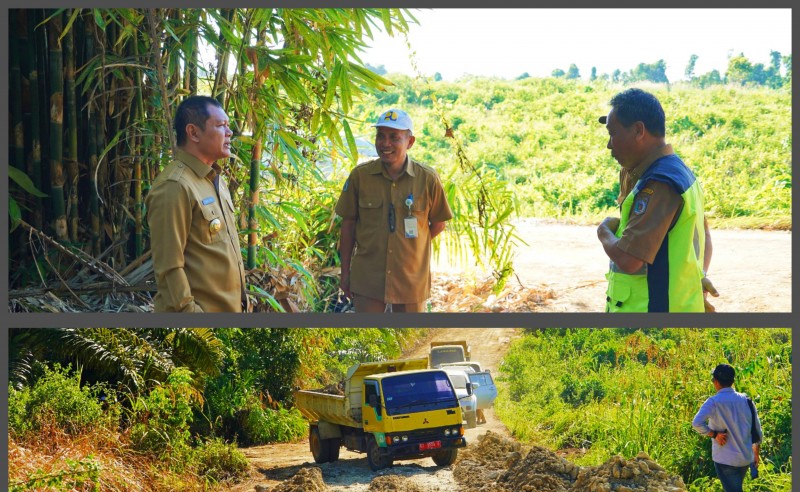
[[162, 418], [218, 461], [263, 425], [57, 398]]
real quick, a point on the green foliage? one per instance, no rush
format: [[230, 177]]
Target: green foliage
[[79, 475], [162, 417], [265, 425], [621, 391], [56, 399], [544, 143], [217, 461]]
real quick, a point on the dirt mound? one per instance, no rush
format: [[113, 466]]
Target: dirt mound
[[305, 480], [618, 474], [393, 483], [469, 294], [541, 470], [484, 462], [496, 464]]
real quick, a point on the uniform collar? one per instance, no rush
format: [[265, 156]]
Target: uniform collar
[[657, 154], [729, 389], [376, 167], [200, 168]]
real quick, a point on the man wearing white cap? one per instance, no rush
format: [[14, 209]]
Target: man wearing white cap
[[392, 207]]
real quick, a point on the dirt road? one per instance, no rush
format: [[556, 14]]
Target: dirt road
[[750, 268], [275, 463]]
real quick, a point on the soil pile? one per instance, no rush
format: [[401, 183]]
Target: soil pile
[[467, 294], [541, 470], [484, 462], [332, 389], [496, 464], [305, 480], [393, 483], [621, 475]]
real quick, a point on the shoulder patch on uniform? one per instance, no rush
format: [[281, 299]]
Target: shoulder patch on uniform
[[176, 173], [649, 191], [640, 205]]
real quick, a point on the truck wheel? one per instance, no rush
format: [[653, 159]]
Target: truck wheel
[[334, 444], [472, 420], [319, 448], [376, 456], [445, 457]]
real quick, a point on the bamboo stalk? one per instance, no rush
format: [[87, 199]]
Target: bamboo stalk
[[138, 155], [155, 49], [71, 157], [195, 57], [15, 90], [57, 177], [221, 79]]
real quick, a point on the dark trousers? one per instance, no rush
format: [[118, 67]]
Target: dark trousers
[[732, 477]]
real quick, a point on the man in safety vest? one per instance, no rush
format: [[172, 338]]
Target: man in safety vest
[[657, 245]]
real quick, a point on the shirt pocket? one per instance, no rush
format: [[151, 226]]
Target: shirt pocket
[[210, 224], [370, 208]]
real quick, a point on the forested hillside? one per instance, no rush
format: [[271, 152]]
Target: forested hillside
[[542, 137]]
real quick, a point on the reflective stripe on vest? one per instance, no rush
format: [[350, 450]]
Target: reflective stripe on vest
[[672, 282]]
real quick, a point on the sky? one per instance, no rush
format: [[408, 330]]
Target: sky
[[508, 42]]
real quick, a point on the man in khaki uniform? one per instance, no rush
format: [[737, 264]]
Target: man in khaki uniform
[[392, 207], [656, 246], [196, 255]]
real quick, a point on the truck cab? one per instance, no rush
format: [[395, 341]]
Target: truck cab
[[448, 351], [390, 410]]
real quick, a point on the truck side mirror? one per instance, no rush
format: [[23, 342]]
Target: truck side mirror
[[469, 388]]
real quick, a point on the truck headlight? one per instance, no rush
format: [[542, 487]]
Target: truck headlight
[[405, 438], [447, 432]]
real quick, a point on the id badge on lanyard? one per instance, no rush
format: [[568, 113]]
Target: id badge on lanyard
[[410, 222]]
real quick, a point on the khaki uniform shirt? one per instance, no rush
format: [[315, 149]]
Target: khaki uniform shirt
[[388, 265], [196, 254], [659, 205]]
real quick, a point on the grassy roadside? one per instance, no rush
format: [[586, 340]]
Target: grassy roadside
[[601, 392]]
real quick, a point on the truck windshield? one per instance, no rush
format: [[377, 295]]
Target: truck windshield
[[443, 355], [409, 393]]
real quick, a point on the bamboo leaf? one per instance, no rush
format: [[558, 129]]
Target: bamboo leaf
[[98, 18], [14, 213], [72, 17], [351, 141], [24, 182]]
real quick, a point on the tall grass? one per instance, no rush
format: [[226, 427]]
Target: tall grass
[[543, 138], [617, 391]]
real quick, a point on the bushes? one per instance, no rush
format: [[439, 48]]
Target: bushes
[[162, 418], [57, 399], [263, 426], [218, 461]]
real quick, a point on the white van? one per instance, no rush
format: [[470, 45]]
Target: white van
[[466, 395]]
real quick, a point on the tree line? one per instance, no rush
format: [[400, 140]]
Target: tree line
[[741, 71]]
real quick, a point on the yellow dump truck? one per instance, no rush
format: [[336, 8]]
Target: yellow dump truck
[[390, 410], [449, 351]]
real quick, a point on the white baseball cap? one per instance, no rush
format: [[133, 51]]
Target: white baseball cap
[[395, 118]]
